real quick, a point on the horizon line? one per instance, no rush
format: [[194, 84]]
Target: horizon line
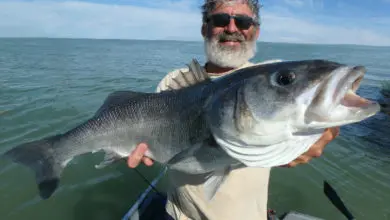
[[190, 40]]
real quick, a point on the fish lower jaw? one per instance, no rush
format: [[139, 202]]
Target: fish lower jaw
[[354, 107], [352, 100], [340, 115], [346, 109]]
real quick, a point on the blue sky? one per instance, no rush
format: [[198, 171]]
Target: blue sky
[[302, 21]]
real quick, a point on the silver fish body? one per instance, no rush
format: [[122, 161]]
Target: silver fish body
[[264, 116]]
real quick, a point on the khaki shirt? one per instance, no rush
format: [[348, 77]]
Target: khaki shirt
[[243, 195]]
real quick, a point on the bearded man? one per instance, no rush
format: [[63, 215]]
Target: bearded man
[[230, 29]]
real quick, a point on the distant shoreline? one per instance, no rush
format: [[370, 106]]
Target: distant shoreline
[[184, 40]]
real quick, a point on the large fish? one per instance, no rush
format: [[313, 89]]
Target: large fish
[[264, 116]]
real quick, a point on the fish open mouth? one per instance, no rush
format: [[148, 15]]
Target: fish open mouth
[[345, 93], [336, 101]]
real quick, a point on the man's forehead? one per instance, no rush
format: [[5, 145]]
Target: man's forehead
[[242, 4], [226, 1], [231, 2]]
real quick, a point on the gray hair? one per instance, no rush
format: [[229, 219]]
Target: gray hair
[[210, 5]]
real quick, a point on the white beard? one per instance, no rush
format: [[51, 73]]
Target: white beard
[[225, 56]]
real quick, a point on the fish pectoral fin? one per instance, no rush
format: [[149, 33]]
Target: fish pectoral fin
[[214, 182], [109, 158], [183, 155]]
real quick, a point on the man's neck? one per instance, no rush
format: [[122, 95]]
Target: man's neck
[[212, 68]]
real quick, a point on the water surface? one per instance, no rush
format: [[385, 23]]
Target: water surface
[[50, 85]]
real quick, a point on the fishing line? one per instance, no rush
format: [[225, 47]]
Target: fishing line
[[148, 182]]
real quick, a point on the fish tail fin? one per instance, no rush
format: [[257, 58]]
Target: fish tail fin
[[40, 156]]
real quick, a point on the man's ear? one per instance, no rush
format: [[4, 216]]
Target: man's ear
[[257, 32]]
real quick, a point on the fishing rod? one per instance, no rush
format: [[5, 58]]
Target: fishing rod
[[336, 201]]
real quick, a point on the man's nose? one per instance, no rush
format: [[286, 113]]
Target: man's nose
[[231, 27]]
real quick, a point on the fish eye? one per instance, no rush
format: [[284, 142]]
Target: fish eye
[[285, 77]]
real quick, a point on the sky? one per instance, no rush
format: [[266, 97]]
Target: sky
[[361, 22]]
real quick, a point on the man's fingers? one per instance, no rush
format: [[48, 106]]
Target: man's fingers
[[137, 155], [303, 159], [335, 131], [133, 161], [147, 161], [291, 164], [317, 149], [300, 160], [330, 134]]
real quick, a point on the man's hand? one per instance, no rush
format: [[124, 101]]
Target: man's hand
[[317, 148], [137, 156]]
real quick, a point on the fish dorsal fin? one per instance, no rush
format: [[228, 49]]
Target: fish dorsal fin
[[183, 78], [117, 98], [198, 72]]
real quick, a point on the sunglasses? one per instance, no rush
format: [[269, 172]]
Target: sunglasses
[[243, 22]]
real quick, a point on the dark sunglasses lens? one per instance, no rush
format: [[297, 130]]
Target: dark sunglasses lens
[[243, 22], [220, 20]]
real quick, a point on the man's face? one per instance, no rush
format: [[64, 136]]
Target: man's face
[[233, 44]]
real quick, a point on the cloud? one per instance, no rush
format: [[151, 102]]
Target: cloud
[[295, 3], [292, 29], [304, 3], [167, 19], [92, 20]]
